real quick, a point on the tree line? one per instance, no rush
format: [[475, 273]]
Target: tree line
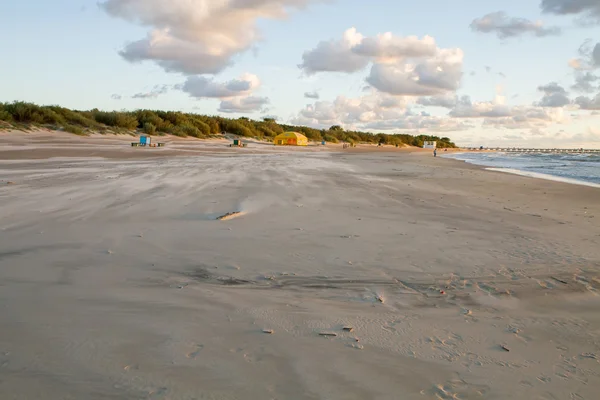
[[153, 122]]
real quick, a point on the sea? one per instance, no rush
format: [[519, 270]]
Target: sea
[[576, 168]]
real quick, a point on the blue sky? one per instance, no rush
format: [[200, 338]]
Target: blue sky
[[238, 59]]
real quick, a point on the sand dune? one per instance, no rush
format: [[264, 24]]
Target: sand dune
[[117, 281]]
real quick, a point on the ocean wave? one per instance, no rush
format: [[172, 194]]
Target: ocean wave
[[580, 167]]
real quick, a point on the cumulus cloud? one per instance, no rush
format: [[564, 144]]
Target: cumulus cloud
[[352, 112], [588, 9], [375, 112], [503, 26], [116, 97], [202, 87], [195, 36], [435, 75], [244, 105], [588, 103], [498, 114], [465, 108], [354, 51], [389, 48], [554, 96], [401, 65], [312, 95], [335, 55], [153, 94]]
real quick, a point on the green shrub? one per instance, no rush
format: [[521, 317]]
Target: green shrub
[[190, 130], [74, 129], [29, 113], [417, 142], [5, 116], [75, 117], [330, 139], [165, 127], [146, 116], [149, 128], [116, 119], [265, 131], [177, 131], [175, 118], [215, 129], [201, 126], [237, 128]]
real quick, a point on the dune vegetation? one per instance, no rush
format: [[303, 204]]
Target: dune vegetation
[[22, 115]]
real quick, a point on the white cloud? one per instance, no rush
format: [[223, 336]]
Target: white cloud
[[195, 36], [505, 27], [153, 94], [116, 97], [389, 48], [351, 112], [436, 75], [466, 109], [401, 65], [335, 55], [554, 96], [498, 114], [312, 95], [374, 112], [201, 87], [244, 105]]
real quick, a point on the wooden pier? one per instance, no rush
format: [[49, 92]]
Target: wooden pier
[[529, 150]]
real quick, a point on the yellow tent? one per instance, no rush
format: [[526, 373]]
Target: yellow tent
[[290, 139]]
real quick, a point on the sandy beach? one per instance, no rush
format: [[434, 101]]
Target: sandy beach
[[354, 274]]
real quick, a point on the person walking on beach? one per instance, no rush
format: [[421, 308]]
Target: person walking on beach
[[435, 152]]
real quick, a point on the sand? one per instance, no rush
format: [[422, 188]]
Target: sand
[[117, 280]]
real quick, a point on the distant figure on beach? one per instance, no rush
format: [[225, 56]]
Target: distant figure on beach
[[435, 152]]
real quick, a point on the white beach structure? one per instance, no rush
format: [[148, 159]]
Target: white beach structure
[[430, 145]]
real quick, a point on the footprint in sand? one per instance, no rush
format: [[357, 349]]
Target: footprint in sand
[[458, 389], [544, 379], [196, 352]]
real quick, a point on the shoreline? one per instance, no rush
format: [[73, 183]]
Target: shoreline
[[537, 175], [528, 174]]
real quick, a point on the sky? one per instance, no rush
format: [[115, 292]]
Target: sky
[[511, 73]]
